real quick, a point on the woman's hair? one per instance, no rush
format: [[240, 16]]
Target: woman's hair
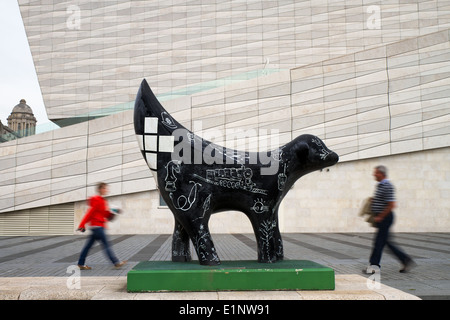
[[101, 185]]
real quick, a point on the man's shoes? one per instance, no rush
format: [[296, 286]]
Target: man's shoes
[[85, 267], [371, 269], [407, 266], [120, 264]]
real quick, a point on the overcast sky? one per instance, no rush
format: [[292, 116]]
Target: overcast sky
[[18, 78]]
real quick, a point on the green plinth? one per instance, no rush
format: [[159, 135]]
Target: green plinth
[[149, 276]]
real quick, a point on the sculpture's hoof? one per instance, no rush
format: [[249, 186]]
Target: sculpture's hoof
[[181, 259], [210, 263]]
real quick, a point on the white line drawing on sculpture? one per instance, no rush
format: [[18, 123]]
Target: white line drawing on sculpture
[[232, 178], [325, 153], [282, 177], [184, 203], [172, 167], [167, 120], [259, 206]]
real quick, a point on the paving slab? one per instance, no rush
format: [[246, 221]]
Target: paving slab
[[44, 267], [348, 287]]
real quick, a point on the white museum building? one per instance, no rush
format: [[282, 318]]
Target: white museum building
[[370, 78]]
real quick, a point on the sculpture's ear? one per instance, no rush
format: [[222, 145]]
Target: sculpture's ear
[[302, 151]]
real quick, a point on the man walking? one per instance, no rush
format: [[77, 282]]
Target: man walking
[[383, 202]]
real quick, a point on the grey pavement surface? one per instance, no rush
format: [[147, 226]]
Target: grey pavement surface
[[43, 267]]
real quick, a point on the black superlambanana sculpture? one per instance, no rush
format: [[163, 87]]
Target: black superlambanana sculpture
[[197, 178]]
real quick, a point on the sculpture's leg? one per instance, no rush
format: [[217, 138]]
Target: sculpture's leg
[[204, 246], [180, 244], [277, 241], [266, 243], [264, 233]]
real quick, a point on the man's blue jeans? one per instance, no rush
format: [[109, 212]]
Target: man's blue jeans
[[382, 238], [98, 234]]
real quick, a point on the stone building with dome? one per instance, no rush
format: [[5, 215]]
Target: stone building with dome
[[6, 134], [22, 120]]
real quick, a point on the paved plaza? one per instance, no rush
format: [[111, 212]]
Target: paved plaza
[[42, 267]]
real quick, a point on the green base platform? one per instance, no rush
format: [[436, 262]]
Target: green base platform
[[150, 276]]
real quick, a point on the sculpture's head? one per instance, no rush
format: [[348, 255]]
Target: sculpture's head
[[311, 154]]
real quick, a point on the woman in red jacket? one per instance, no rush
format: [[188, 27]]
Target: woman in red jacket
[[96, 217]]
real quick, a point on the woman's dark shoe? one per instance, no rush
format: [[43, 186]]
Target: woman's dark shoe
[[407, 266]]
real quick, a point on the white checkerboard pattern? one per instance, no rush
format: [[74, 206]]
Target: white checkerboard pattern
[[151, 143]]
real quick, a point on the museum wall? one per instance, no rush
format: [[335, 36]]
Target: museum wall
[[263, 74], [323, 201], [370, 106]]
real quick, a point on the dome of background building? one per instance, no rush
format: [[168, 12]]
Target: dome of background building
[[22, 107], [22, 120]]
